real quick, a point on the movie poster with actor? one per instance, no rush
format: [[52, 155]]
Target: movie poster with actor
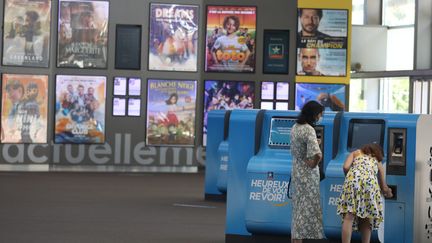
[[230, 42], [26, 36], [171, 112], [24, 108], [82, 34], [226, 95], [331, 96], [322, 42], [80, 109], [173, 40]]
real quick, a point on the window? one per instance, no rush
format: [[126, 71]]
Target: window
[[422, 89], [358, 12], [398, 12], [379, 95], [400, 49]]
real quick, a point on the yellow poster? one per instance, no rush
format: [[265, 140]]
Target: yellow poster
[[323, 41]]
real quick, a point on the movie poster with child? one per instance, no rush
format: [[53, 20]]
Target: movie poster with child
[[24, 108], [171, 112], [26, 36], [230, 44], [173, 41], [226, 95], [80, 109], [82, 34]]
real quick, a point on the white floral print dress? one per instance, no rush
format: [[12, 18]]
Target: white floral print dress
[[306, 209]]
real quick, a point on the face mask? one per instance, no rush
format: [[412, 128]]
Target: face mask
[[319, 120]]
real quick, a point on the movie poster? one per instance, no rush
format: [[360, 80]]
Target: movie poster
[[80, 109], [24, 108], [173, 41], [82, 34], [230, 43], [226, 95], [331, 96], [26, 36], [276, 45], [322, 42], [171, 112]]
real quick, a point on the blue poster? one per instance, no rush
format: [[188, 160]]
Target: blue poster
[[276, 45], [331, 96]]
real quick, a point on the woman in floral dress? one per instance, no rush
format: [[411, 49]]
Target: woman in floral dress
[[360, 203], [307, 214]]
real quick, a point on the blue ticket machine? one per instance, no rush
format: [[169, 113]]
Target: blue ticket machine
[[260, 168], [268, 208], [223, 156], [406, 140], [243, 141], [218, 121]]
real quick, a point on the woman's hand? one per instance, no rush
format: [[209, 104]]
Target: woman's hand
[[387, 191]]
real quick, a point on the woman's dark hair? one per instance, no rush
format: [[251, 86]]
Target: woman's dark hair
[[310, 112], [168, 101], [374, 150]]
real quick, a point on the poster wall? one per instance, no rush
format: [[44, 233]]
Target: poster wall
[[331, 96], [24, 108], [226, 95], [322, 42], [82, 34], [230, 39], [26, 36], [80, 109], [171, 112], [173, 43]]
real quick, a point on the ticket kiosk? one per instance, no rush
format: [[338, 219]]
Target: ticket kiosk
[[268, 207], [258, 206], [407, 143], [218, 121]]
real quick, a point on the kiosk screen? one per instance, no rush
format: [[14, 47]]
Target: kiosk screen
[[280, 132], [365, 131]]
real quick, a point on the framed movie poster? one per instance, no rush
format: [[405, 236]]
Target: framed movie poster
[[24, 108], [119, 106], [134, 86], [173, 39], [134, 107], [226, 95], [82, 34], [120, 85], [26, 35], [80, 109], [267, 90], [322, 42], [276, 46], [282, 91], [230, 39], [171, 112], [331, 96], [128, 47]]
